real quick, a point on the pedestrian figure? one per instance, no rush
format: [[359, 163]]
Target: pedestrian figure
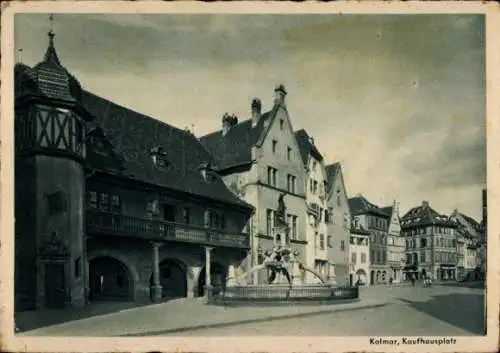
[[413, 280]]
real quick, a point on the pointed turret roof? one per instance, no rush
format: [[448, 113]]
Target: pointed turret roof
[[51, 54], [48, 79]]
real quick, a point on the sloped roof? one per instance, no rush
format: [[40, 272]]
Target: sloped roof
[[235, 148], [473, 223], [332, 171], [133, 135], [360, 205], [387, 210], [425, 215], [306, 146]]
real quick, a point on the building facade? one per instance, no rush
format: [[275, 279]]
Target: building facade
[[483, 242], [359, 255], [396, 244], [339, 225], [317, 216], [469, 231], [112, 204], [431, 248], [372, 218], [260, 161]]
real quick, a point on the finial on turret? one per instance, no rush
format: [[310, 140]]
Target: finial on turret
[[50, 54]]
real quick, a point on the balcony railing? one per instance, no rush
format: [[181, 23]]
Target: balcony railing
[[117, 224]]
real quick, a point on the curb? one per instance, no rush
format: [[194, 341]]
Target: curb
[[250, 321]]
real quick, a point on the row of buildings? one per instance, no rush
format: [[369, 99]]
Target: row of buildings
[[110, 203]]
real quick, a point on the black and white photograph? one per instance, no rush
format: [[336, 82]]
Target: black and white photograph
[[248, 173]]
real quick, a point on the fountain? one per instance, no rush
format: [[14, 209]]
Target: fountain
[[282, 268]]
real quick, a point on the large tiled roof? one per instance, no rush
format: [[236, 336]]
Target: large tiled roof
[[425, 215], [332, 171], [134, 135], [306, 146], [387, 210], [360, 205], [235, 148]]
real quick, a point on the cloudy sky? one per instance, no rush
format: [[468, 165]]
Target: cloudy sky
[[399, 100]]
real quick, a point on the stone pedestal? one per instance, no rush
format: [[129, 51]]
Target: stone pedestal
[[156, 292]]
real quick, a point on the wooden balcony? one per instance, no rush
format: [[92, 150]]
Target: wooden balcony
[[103, 223]]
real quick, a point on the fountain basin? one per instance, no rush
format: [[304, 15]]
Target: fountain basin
[[283, 294]]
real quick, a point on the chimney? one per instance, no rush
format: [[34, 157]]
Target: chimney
[[256, 110], [280, 93], [358, 195], [228, 121], [425, 204]]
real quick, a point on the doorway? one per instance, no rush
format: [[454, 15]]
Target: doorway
[[55, 286]]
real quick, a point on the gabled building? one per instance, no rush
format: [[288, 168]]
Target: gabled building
[[396, 245], [110, 203], [469, 230], [431, 248], [317, 215], [339, 225], [260, 161], [372, 218], [359, 254]]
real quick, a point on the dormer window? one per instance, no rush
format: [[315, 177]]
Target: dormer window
[[159, 157], [207, 172], [275, 143]]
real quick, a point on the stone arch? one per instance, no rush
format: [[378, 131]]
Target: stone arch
[[218, 273], [111, 276], [174, 277]]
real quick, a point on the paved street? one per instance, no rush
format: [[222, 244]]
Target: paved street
[[399, 310], [458, 313]]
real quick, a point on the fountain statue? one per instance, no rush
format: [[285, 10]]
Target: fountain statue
[[280, 265]]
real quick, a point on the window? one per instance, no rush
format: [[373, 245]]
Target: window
[[93, 199], [326, 216], [316, 240], [289, 153], [275, 143], [55, 203], [314, 186], [342, 245], [282, 123], [314, 166], [78, 267], [104, 202], [271, 176], [329, 241], [352, 240], [291, 183], [353, 258], [322, 241], [269, 221], [217, 220], [363, 258], [423, 243], [116, 205], [422, 257], [294, 227], [185, 215]]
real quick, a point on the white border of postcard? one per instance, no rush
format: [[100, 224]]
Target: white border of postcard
[[10, 342]]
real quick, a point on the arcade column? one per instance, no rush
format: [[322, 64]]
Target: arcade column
[[156, 287]]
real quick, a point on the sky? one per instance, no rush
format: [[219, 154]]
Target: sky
[[399, 100]]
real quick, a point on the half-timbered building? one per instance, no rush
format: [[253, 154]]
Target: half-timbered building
[[110, 203]]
